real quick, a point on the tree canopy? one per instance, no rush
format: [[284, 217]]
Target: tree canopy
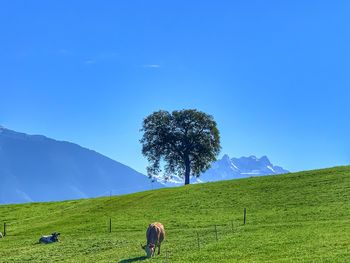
[[187, 141]]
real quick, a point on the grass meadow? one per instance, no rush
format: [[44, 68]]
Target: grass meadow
[[297, 217]]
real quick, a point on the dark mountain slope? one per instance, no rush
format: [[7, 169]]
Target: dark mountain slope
[[37, 168]]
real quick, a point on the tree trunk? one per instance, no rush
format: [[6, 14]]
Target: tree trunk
[[187, 170]]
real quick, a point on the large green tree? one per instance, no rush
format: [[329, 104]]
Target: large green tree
[[185, 141]]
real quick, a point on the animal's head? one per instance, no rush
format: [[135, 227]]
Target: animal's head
[[55, 236], [149, 249]]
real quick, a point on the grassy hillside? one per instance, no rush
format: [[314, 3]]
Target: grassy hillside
[[300, 217]]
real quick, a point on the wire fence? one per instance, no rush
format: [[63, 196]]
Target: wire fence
[[108, 225]]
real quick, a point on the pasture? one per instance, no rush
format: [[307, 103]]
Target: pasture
[[298, 217]]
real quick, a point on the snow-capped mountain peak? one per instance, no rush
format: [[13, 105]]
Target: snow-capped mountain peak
[[228, 168]]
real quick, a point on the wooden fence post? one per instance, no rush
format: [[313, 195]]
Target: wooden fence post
[[198, 241], [216, 234], [245, 216], [110, 225]]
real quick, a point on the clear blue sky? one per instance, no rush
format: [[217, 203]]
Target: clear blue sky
[[274, 74]]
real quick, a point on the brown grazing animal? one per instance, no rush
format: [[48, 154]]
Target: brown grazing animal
[[155, 234]]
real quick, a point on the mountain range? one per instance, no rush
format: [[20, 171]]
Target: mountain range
[[232, 168], [35, 168]]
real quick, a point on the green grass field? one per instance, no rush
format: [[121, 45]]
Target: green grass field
[[300, 217]]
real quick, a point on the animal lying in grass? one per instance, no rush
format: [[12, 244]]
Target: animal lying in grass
[[49, 239], [155, 234], [1, 236]]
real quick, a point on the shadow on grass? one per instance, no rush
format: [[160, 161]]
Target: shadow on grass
[[133, 259]]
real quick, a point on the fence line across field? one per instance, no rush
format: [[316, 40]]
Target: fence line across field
[[203, 235], [109, 228]]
